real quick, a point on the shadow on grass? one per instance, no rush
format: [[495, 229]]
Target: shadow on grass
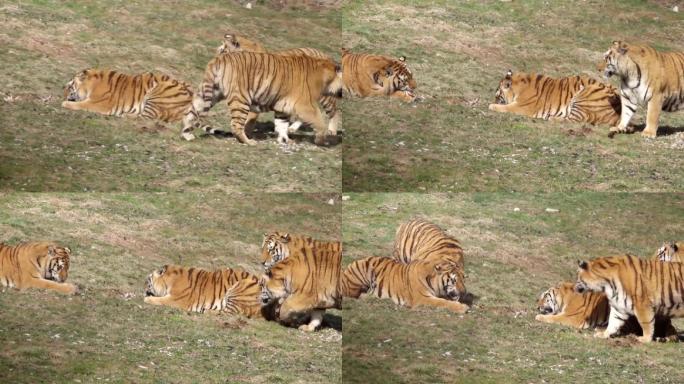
[[333, 321], [262, 131]]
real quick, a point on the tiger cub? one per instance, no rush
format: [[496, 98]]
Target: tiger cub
[[647, 289], [670, 252], [305, 284], [248, 80], [36, 265], [233, 291], [367, 75], [422, 283], [236, 43], [419, 239], [578, 98], [278, 246], [648, 77], [148, 95]]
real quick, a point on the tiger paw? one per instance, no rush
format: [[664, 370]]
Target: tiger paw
[[602, 334], [493, 107], [307, 327], [539, 317], [649, 134], [248, 141], [74, 289], [645, 339], [188, 136]]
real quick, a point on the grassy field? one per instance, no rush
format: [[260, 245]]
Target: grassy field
[[108, 334], [511, 257], [44, 147], [458, 51]]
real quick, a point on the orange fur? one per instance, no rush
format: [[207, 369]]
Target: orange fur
[[36, 265]]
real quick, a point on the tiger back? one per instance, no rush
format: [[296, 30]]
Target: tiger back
[[645, 288], [577, 98], [419, 239], [366, 75], [288, 84], [421, 283], [148, 95], [278, 246], [36, 265], [197, 290], [562, 305]]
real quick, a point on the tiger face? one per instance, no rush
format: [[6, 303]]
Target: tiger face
[[547, 303], [504, 94], [450, 279], [156, 283], [616, 60], [274, 249], [81, 85], [57, 268], [587, 279], [236, 43], [669, 252]]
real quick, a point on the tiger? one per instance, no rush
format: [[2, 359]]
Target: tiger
[[249, 80], [367, 75], [421, 283], [562, 305], [576, 98], [148, 95], [419, 239], [645, 288], [305, 284], [646, 77], [36, 265], [278, 246], [233, 42], [232, 291], [670, 252]]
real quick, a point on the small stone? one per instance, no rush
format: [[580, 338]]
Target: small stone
[[516, 209], [675, 9], [552, 210], [331, 202], [346, 197]]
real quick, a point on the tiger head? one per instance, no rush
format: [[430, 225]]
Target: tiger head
[[158, 283], [619, 60], [592, 276], [235, 43], [81, 85], [397, 77], [449, 279], [551, 301], [505, 94], [669, 252], [275, 285], [57, 267], [274, 248]]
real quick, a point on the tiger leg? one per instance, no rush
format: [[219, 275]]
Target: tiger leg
[[504, 108], [329, 104], [315, 322], [313, 116], [295, 307], [86, 105], [239, 117], [66, 288], [282, 125], [163, 300], [645, 315], [654, 107], [561, 319], [191, 120], [615, 322], [453, 306], [626, 112]]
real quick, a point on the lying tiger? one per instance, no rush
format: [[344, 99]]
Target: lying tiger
[[249, 81], [233, 42], [36, 265], [419, 239], [233, 291], [562, 305], [577, 98], [148, 95], [366, 75], [645, 288], [278, 246], [305, 283], [648, 77], [421, 283]]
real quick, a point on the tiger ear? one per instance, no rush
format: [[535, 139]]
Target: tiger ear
[[285, 237], [509, 74], [67, 250], [402, 59], [163, 270], [345, 51], [583, 264]]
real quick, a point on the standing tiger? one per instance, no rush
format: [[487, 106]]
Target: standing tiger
[[647, 289], [36, 265], [419, 239], [422, 283], [236, 43], [670, 252], [233, 291], [278, 246], [367, 75], [262, 81], [577, 98], [646, 77], [305, 283], [148, 95]]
